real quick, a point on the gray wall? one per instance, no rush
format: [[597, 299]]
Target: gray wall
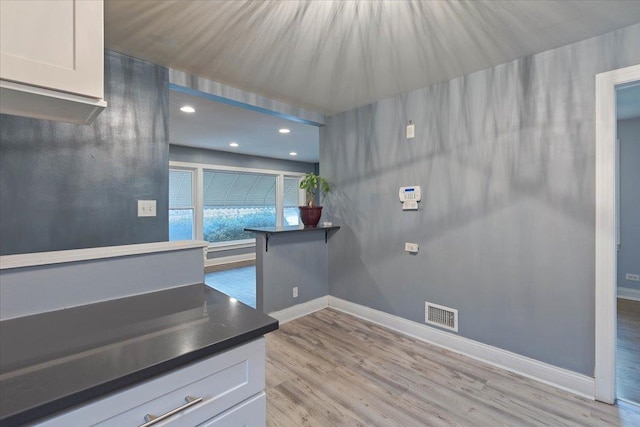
[[38, 289], [67, 186], [219, 92], [293, 259], [629, 254], [506, 161]]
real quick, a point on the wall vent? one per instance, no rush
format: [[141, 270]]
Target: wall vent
[[439, 315]]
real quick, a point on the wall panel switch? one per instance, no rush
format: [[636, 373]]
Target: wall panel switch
[[146, 208], [632, 277], [411, 131], [411, 247], [295, 292]]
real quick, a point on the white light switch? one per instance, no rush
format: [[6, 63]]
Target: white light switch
[[146, 208], [411, 131], [632, 277], [411, 247]]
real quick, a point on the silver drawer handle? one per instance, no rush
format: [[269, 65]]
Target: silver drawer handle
[[152, 419]]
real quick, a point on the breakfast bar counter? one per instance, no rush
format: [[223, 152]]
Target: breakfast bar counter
[[291, 266]]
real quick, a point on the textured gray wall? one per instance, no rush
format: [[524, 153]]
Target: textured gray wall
[[629, 254], [67, 186], [179, 153], [31, 290], [294, 259], [506, 161], [230, 95]]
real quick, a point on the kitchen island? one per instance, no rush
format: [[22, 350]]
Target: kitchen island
[[132, 359]]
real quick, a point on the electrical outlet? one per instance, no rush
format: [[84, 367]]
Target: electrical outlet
[[295, 292], [411, 247], [632, 277], [146, 208]]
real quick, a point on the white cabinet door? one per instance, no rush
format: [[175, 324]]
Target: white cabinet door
[[52, 59], [54, 44]]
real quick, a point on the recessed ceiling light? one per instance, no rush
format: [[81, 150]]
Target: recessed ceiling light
[[284, 130], [293, 153], [233, 144], [187, 109], [232, 299]]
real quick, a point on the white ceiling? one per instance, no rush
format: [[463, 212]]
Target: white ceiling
[[215, 125], [331, 56]]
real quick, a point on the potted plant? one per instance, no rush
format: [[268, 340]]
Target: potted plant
[[311, 183]]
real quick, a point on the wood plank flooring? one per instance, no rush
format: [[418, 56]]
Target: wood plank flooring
[[628, 351], [332, 369]]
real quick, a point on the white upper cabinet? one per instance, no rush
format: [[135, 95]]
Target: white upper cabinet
[[52, 59]]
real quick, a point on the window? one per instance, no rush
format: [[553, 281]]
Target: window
[[233, 201], [216, 203], [181, 209], [291, 200]]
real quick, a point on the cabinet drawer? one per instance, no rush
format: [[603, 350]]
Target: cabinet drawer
[[222, 381], [250, 413]]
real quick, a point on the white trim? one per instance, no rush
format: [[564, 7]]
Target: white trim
[[197, 193], [280, 197], [208, 166], [605, 232], [629, 293], [74, 255], [209, 262], [300, 310], [548, 374], [557, 377], [198, 202]]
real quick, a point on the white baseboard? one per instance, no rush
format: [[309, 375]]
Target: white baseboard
[[525, 366], [229, 259], [552, 375], [299, 310], [629, 293]]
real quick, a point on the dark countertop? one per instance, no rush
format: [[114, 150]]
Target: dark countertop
[[51, 361], [290, 229]]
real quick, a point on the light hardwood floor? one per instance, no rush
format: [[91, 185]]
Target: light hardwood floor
[[628, 351], [332, 369]]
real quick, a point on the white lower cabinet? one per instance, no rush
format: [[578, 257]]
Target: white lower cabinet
[[226, 389], [251, 413]]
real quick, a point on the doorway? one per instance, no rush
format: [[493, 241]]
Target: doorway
[[628, 243], [234, 166], [606, 229]]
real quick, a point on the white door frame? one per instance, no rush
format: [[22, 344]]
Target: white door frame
[[606, 211]]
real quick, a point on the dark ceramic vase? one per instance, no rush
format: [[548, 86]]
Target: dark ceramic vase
[[310, 215]]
